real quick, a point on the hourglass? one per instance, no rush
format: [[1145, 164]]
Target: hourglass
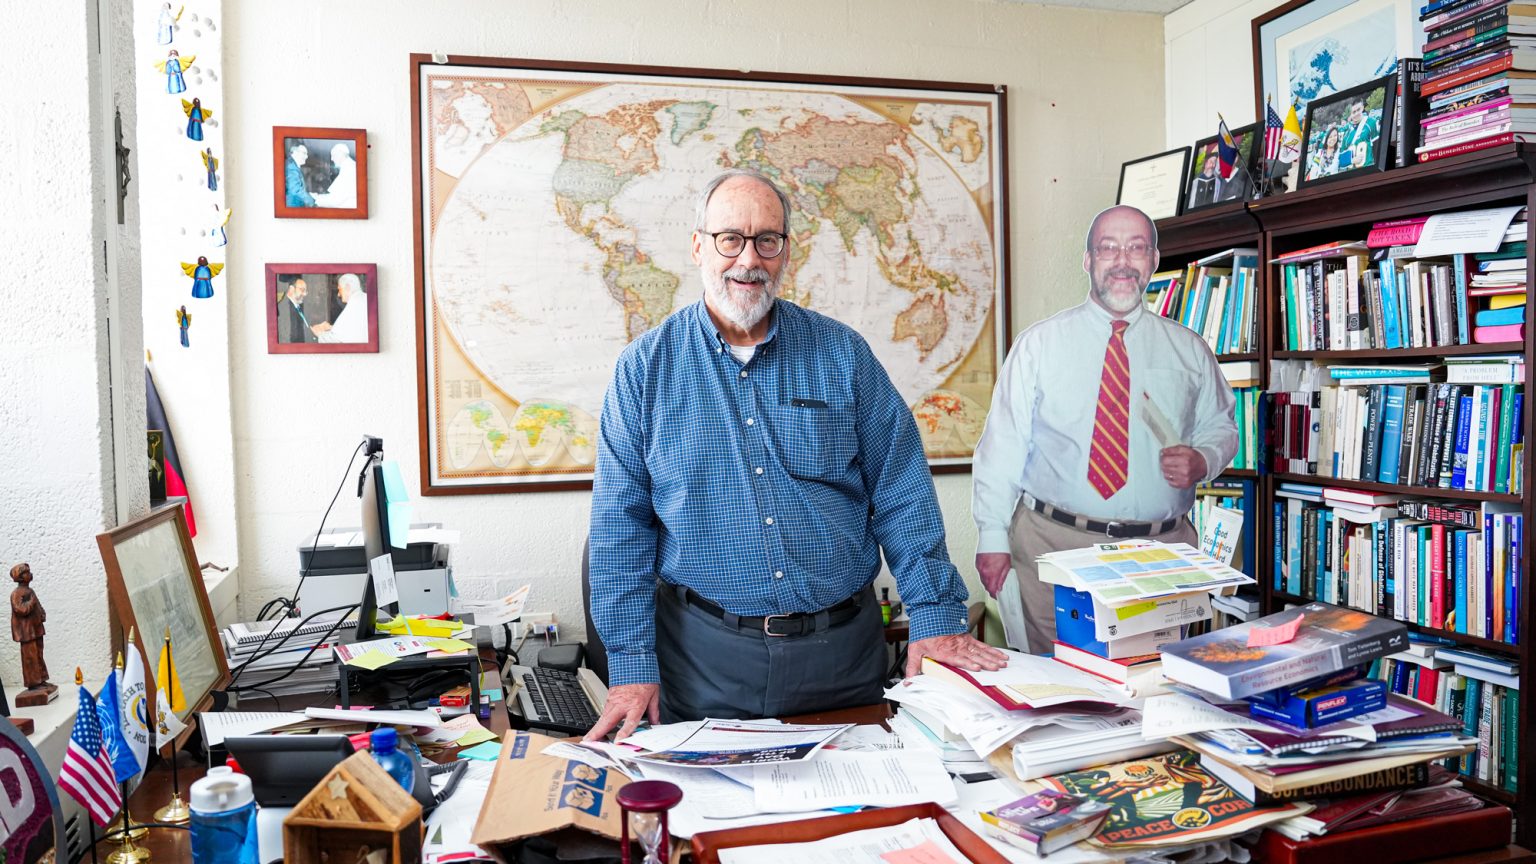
[[643, 806]]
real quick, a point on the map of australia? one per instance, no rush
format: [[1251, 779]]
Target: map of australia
[[558, 215]]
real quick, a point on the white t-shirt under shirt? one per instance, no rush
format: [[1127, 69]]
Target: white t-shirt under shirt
[[742, 353]]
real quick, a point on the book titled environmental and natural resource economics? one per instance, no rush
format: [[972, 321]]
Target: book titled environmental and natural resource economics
[[1230, 664]]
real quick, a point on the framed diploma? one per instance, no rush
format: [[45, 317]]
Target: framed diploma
[[1155, 184]]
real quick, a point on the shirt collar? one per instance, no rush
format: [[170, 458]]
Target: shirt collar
[[712, 333], [1101, 314]]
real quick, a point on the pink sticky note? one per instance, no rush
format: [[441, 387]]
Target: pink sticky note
[[926, 853], [1258, 637]]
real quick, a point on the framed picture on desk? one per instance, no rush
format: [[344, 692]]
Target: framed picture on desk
[[156, 587]]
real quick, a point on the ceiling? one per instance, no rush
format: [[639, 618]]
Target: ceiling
[[1161, 7]]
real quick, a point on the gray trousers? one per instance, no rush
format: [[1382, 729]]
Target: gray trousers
[[1031, 535], [711, 669]]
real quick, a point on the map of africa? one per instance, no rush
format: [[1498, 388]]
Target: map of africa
[[557, 211]]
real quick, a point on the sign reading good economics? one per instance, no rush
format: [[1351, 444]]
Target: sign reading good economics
[[555, 204]]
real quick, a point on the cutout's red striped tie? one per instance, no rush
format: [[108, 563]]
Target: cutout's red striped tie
[[1107, 456]]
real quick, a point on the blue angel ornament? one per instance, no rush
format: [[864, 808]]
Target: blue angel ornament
[[196, 114], [165, 25], [211, 165], [184, 320], [173, 65], [202, 274]]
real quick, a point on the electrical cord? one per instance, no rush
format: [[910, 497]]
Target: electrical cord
[[307, 654], [292, 602], [344, 610]]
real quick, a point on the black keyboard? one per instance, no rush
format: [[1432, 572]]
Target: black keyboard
[[553, 699]]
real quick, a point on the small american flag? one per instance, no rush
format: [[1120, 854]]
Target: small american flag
[[87, 771], [1274, 128]]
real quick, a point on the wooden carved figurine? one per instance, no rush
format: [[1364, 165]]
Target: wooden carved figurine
[[27, 617]]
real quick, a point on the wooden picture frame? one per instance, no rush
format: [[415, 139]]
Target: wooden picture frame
[[1300, 25], [320, 321], [485, 404], [1239, 187], [297, 190], [1149, 184], [1348, 159], [153, 582]]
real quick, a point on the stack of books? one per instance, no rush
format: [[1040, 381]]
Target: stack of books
[[1455, 567], [1305, 722], [267, 649], [1097, 641], [1215, 296], [1479, 688], [1478, 78], [1243, 377], [1497, 287], [1444, 435], [1219, 514]]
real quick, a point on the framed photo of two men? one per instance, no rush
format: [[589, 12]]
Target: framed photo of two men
[[554, 219], [319, 173], [322, 309]]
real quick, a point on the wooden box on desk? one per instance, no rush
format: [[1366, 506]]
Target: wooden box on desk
[[1394, 843], [356, 810]]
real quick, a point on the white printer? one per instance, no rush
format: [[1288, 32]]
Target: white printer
[[423, 569]]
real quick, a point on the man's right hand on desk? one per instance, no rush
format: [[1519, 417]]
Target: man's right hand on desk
[[627, 704], [993, 567]]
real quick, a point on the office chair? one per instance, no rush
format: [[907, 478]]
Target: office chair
[[596, 652]]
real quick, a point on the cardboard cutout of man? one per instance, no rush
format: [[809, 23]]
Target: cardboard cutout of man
[[1069, 457]]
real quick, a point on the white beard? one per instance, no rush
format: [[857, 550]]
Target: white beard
[[747, 311]]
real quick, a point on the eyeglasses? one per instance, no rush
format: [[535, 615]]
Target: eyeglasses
[[1135, 251], [732, 243]]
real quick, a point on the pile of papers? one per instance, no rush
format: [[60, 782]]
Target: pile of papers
[[268, 654], [1134, 571]]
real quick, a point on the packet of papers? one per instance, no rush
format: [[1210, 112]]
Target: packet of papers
[[1045, 821], [1029, 682], [1118, 574], [726, 743]]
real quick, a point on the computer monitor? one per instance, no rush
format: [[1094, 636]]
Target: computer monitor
[[376, 539]]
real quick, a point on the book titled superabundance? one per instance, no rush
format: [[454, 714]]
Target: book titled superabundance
[[1329, 638]]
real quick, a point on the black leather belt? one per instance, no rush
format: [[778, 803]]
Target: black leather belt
[[1116, 530], [794, 624]]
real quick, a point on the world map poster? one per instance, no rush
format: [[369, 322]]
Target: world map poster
[[556, 212]]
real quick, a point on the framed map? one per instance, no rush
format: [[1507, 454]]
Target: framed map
[[554, 204]]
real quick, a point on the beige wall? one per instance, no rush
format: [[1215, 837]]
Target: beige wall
[[1086, 94], [1209, 46]]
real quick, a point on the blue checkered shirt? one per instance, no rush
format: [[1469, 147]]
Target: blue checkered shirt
[[768, 487]]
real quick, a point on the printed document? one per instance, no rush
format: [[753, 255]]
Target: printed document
[[724, 743], [839, 778]]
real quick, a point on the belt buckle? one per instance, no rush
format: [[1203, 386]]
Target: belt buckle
[[1110, 528], [768, 626]]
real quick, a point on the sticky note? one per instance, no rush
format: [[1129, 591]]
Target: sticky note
[[385, 590], [485, 752], [492, 693], [399, 506], [371, 659], [1135, 609], [1258, 637], [927, 852], [450, 645], [475, 736]]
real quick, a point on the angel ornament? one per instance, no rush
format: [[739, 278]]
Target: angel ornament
[[216, 235], [184, 320], [202, 274], [196, 114], [165, 25], [173, 65], [211, 165]]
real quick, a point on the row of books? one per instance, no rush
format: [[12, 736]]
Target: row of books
[[1461, 683], [1215, 296], [1345, 301], [1246, 414], [1460, 570], [1477, 76], [1440, 435]]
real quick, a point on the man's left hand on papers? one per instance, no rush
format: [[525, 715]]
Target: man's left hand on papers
[[1182, 466], [959, 650]]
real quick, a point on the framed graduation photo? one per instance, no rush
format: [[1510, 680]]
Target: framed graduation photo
[[1155, 184], [1346, 134], [319, 173], [1211, 183]]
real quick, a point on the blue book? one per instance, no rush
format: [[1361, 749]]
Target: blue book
[[1391, 328], [1279, 570], [1231, 301], [1498, 317], [1512, 581], [1461, 581], [1393, 404], [1463, 440], [1477, 473], [1469, 712], [1402, 309], [1324, 589], [1459, 287], [1293, 572]]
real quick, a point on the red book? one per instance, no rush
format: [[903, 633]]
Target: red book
[[1482, 70], [1429, 685], [1436, 581], [1395, 843], [1470, 146], [1398, 232]]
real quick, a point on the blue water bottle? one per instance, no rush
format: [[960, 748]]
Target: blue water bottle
[[223, 819], [386, 751]]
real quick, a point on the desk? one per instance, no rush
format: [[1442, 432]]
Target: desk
[[175, 844]]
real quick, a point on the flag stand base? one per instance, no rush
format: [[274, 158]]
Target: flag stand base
[[176, 812], [121, 827]]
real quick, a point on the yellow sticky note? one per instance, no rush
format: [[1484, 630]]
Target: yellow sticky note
[[450, 645], [373, 658], [432, 627], [475, 736], [1135, 609]]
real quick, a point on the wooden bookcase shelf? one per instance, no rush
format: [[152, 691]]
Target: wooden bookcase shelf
[[1345, 210], [1237, 358]]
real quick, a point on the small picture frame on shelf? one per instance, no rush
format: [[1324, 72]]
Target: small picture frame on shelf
[[1155, 184], [1207, 187], [319, 173], [322, 309], [1346, 134]]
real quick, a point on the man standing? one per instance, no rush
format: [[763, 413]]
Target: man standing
[[295, 191], [1068, 458], [292, 325], [754, 461], [1360, 134]]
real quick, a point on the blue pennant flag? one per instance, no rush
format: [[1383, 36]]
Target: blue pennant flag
[[109, 711]]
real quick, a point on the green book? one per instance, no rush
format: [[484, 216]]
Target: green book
[[1510, 722], [1456, 706], [1292, 331], [1505, 436]]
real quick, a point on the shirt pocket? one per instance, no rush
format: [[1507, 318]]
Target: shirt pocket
[[816, 443], [1177, 394]]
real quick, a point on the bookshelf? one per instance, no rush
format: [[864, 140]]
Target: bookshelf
[[1345, 210]]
